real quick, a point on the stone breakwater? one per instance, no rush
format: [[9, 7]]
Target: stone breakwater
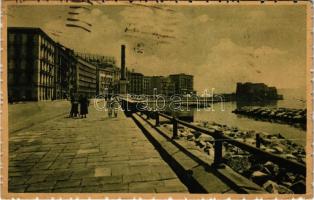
[[287, 115], [270, 176]]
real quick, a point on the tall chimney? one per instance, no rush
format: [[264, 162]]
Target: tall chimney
[[123, 62]]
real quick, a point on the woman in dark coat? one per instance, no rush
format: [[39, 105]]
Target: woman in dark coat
[[74, 106], [84, 102]]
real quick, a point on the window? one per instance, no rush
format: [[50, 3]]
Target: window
[[11, 51], [23, 51], [24, 38], [11, 64], [30, 38], [11, 38], [10, 78], [23, 78], [35, 77], [34, 39], [23, 64]]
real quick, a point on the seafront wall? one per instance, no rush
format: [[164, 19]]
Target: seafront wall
[[287, 115]]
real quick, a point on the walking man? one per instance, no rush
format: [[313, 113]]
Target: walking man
[[84, 103], [74, 106]]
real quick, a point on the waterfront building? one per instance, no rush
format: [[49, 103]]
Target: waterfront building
[[65, 72], [98, 60], [38, 67], [135, 83], [159, 84], [41, 69], [108, 74], [116, 80], [183, 83], [167, 86], [86, 77], [105, 82], [147, 85], [156, 84]]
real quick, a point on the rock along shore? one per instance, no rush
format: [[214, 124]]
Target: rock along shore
[[270, 176], [287, 115]]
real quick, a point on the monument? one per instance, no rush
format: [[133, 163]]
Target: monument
[[123, 81]]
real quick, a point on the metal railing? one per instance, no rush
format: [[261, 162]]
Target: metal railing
[[220, 138]]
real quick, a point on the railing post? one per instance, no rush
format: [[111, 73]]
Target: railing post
[[147, 114], [218, 150], [258, 140], [157, 118], [174, 128]]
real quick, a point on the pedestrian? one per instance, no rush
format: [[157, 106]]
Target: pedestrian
[[84, 103], [71, 100], [74, 106], [115, 107], [109, 107]]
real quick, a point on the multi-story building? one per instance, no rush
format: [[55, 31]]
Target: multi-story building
[[42, 69], [31, 64], [98, 60], [156, 84], [65, 72], [167, 86], [135, 83], [116, 80], [147, 85], [107, 64], [183, 83], [86, 77], [105, 83], [109, 78]]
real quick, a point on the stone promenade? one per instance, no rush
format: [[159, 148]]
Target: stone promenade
[[96, 154]]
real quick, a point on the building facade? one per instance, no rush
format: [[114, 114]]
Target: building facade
[[41, 69], [31, 65], [65, 72], [147, 85], [105, 65], [183, 83], [158, 85], [116, 80], [86, 78], [167, 86], [105, 83], [38, 67], [98, 60], [135, 83]]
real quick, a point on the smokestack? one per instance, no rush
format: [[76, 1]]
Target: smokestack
[[123, 62]]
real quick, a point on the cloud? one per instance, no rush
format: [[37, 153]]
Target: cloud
[[229, 63], [103, 29]]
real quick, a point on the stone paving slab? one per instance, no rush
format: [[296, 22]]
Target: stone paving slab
[[96, 154]]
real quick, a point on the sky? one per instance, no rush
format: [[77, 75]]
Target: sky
[[220, 45]]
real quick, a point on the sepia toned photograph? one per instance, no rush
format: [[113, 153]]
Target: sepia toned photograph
[[157, 98]]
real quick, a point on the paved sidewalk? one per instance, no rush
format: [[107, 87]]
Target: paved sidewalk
[[96, 154]]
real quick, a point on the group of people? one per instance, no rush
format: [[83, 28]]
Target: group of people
[[79, 101], [79, 106]]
